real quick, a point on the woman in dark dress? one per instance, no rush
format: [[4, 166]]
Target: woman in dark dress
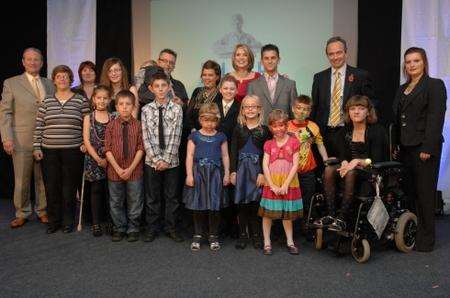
[[88, 79], [419, 109]]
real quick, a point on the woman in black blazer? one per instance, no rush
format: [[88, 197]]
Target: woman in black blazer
[[419, 109]]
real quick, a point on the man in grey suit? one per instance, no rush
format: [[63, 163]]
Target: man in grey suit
[[274, 90], [21, 98]]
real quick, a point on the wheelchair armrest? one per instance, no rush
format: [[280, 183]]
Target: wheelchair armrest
[[382, 165], [332, 162]]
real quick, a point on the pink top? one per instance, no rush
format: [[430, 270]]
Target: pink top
[[286, 151], [243, 85]]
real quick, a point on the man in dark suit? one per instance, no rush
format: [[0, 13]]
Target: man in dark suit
[[274, 90], [166, 62], [333, 87]]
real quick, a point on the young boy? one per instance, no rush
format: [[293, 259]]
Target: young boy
[[124, 151], [161, 126], [307, 133]]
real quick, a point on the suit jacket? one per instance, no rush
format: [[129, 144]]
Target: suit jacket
[[285, 93], [420, 115], [228, 122], [18, 109], [357, 82]]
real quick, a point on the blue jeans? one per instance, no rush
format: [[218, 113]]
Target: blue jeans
[[126, 218]]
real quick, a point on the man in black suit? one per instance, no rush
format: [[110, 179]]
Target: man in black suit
[[329, 98], [166, 62]]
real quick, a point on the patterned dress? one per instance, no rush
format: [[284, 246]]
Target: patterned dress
[[289, 206]]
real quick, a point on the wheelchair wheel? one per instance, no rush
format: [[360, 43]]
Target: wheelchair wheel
[[405, 236], [360, 249], [318, 239]]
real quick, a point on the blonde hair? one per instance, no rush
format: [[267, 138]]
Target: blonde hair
[[250, 56], [209, 111], [364, 101], [278, 115], [242, 120]]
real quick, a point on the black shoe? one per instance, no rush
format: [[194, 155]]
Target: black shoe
[[52, 229], [257, 241], [133, 237], [117, 236], [97, 230], [149, 236], [175, 236], [67, 229], [241, 242]]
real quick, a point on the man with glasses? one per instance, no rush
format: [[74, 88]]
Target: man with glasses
[[166, 63]]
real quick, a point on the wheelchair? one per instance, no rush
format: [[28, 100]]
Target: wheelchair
[[398, 226]]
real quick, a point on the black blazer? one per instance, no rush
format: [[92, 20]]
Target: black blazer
[[376, 142], [420, 117], [357, 82], [228, 122]]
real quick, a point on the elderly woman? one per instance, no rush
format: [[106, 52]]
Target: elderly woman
[[58, 140], [419, 109], [243, 61], [87, 76], [363, 142]]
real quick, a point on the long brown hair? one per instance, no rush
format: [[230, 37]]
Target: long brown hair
[[104, 79], [422, 53]]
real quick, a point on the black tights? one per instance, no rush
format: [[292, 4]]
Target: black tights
[[203, 218], [248, 218], [331, 176], [99, 201]]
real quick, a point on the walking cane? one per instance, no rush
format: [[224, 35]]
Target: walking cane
[[80, 227]]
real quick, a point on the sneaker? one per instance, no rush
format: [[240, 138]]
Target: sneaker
[[117, 236], [214, 243], [242, 241], [133, 237], [149, 236], [175, 236], [195, 245], [97, 230], [338, 225]]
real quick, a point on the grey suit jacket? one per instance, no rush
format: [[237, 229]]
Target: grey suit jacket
[[18, 109], [285, 93]]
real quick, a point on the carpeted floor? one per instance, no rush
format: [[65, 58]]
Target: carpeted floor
[[33, 264]]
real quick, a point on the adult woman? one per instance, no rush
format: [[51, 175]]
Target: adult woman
[[115, 76], [209, 93], [243, 61], [87, 75], [58, 140], [362, 139], [419, 109]]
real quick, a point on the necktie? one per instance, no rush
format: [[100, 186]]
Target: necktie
[[36, 88], [162, 144], [125, 139], [226, 107], [271, 84], [335, 108]]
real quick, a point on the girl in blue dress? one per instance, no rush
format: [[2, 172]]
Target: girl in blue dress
[[246, 172], [207, 171]]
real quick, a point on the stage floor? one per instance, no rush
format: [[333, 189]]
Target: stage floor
[[79, 265]]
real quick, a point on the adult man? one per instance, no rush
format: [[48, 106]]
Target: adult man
[[166, 62], [333, 87], [274, 90], [21, 97]]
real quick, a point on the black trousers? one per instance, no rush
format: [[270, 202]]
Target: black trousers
[[330, 139], [159, 186], [421, 184], [62, 174]]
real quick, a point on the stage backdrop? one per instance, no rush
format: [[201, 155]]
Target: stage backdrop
[[209, 29], [426, 24]]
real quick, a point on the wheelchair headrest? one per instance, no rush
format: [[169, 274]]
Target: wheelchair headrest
[[383, 165]]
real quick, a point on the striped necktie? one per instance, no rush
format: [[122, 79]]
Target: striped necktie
[[335, 107]]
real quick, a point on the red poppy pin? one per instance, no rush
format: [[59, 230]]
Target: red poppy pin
[[351, 78]]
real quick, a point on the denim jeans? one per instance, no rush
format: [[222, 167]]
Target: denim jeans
[[126, 218]]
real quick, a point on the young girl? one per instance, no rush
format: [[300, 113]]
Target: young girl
[[207, 152], [94, 127], [246, 171], [281, 198]]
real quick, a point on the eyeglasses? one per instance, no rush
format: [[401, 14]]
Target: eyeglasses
[[170, 62], [250, 107]]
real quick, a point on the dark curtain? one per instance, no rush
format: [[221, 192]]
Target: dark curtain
[[379, 46], [33, 33], [114, 32]]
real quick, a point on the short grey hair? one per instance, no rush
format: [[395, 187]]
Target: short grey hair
[[31, 49], [336, 39]]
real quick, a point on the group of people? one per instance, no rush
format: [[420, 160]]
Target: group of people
[[245, 140]]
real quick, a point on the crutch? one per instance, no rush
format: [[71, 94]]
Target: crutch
[[80, 226]]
